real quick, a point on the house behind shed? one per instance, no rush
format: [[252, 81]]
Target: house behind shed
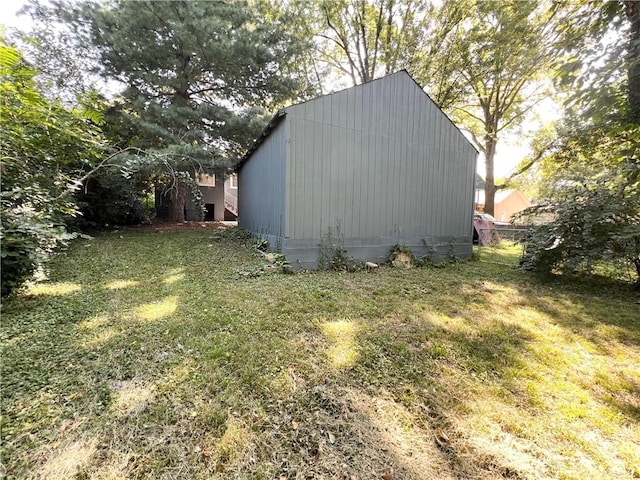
[[372, 166], [219, 196]]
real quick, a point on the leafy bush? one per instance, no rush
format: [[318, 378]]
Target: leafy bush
[[44, 146], [107, 198], [29, 232], [592, 223]]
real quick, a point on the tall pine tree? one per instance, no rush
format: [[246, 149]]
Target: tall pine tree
[[194, 74]]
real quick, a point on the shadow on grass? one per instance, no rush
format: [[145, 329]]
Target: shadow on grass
[[166, 363]]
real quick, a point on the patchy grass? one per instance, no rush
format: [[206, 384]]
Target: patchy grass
[[503, 253], [150, 355]]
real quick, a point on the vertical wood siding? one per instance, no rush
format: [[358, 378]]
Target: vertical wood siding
[[379, 161], [261, 188]]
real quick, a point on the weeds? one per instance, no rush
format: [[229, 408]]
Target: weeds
[[333, 255]]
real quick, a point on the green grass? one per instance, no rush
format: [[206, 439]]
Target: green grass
[[154, 355]]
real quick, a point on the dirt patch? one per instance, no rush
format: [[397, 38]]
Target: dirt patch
[[163, 227]]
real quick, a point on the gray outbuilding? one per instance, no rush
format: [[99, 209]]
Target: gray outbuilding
[[368, 167]]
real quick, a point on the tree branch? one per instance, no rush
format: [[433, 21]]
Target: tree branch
[[526, 166], [474, 139], [104, 163]]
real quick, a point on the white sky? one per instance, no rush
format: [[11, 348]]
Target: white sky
[[510, 150], [9, 17]]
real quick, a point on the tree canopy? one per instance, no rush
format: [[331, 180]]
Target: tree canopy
[[196, 76], [591, 179]]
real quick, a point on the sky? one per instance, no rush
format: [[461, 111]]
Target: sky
[[510, 150], [10, 18]]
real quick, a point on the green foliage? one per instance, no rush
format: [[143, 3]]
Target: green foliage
[[66, 67], [44, 147], [29, 236], [591, 185], [451, 251], [107, 198], [194, 191], [593, 219], [429, 257], [489, 64], [341, 261], [592, 176], [197, 79], [366, 39], [273, 262]]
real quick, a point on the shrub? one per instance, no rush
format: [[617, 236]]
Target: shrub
[[43, 146], [107, 198], [29, 235]]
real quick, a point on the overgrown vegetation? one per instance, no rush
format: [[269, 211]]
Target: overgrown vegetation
[[403, 255], [146, 356], [333, 255], [591, 178], [44, 146], [591, 224], [110, 199]]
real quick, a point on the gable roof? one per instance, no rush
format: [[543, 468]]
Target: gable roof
[[280, 114]]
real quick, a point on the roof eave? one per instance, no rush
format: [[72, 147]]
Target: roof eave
[[273, 123]]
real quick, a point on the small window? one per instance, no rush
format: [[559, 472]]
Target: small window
[[206, 179], [233, 181]]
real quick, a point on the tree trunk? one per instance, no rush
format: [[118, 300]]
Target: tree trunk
[[636, 263], [489, 181], [633, 59], [178, 197]]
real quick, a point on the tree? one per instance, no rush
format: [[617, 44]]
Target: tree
[[632, 10], [368, 38], [495, 58], [46, 149], [66, 68], [190, 71], [592, 178]]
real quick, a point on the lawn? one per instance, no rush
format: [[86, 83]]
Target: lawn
[[163, 355]]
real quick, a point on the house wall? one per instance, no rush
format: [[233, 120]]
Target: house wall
[[506, 203], [507, 208], [261, 189], [214, 195], [378, 165]]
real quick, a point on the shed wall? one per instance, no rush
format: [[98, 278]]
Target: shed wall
[[378, 164], [261, 189]]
